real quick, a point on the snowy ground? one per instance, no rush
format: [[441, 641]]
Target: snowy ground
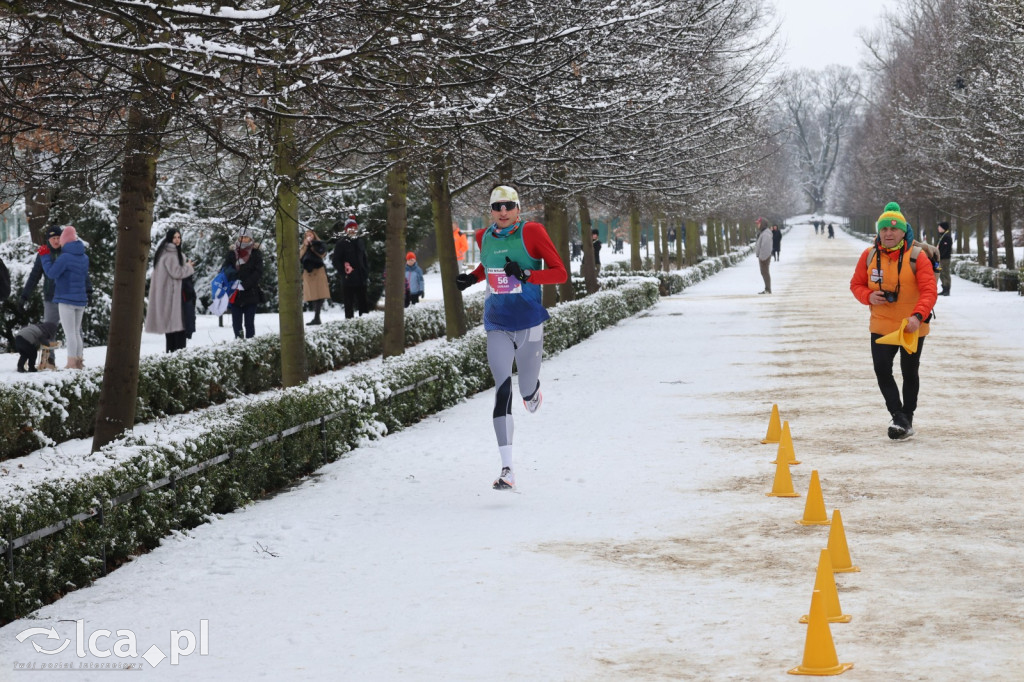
[[641, 545]]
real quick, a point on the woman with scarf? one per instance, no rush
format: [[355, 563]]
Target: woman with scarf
[[166, 312], [315, 288], [512, 255], [244, 268]]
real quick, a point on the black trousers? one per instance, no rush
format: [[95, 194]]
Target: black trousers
[[882, 356], [176, 340], [355, 299]]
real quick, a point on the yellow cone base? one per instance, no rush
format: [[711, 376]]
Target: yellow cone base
[[838, 669], [850, 569], [774, 427]]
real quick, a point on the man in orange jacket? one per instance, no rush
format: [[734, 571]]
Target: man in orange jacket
[[461, 245], [895, 278]]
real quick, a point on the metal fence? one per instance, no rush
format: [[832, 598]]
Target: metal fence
[[173, 479]]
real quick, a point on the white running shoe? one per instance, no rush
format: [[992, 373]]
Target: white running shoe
[[533, 404], [505, 481]]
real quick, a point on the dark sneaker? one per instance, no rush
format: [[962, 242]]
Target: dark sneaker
[[506, 481], [900, 427]]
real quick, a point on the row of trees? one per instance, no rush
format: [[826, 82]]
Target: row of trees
[[270, 109], [940, 122]]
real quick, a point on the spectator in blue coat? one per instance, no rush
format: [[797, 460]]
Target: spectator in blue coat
[[70, 275], [413, 280], [50, 313]]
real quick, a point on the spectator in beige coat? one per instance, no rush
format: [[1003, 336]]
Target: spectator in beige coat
[[315, 288], [165, 314]]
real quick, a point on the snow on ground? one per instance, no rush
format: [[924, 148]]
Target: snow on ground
[[641, 545]]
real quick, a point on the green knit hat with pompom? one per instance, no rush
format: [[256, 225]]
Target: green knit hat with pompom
[[891, 217]]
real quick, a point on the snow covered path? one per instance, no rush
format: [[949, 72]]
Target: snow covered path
[[641, 545]]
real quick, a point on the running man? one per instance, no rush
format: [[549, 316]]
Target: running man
[[512, 253]]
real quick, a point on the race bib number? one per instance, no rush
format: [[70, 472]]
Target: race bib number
[[500, 283], [876, 275]]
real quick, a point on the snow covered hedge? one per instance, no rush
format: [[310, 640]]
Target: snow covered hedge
[[1000, 279], [364, 405], [63, 406]]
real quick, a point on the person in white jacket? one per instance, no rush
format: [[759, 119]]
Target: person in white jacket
[[763, 251]]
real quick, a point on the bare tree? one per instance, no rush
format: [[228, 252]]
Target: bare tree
[[820, 108]]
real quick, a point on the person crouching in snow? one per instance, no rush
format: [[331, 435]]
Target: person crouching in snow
[[895, 279], [28, 340], [512, 252]]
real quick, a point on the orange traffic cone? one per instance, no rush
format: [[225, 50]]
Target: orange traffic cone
[[837, 547], [814, 510], [774, 427], [785, 450], [819, 650], [783, 484], [825, 583]]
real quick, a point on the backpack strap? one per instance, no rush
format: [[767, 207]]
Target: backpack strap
[[915, 251]]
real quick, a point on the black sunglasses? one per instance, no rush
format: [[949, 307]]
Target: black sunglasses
[[507, 205]]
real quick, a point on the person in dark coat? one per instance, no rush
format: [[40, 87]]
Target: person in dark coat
[[945, 256], [776, 241], [70, 275], [5, 281], [244, 266], [353, 266], [595, 239]]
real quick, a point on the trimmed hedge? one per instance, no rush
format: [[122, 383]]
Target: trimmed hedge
[[34, 415], [370, 406]]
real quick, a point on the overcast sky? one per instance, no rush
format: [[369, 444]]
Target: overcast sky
[[822, 32]]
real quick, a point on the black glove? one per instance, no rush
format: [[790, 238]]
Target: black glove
[[464, 281], [513, 269]]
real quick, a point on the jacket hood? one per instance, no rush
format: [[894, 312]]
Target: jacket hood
[[75, 247]]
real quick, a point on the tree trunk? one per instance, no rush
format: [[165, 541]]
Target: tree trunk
[[394, 282], [979, 232], [1008, 235], [665, 254], [588, 268], [712, 235], [37, 211], [115, 412], [565, 290], [958, 224], [656, 238], [635, 262], [294, 369], [455, 323]]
